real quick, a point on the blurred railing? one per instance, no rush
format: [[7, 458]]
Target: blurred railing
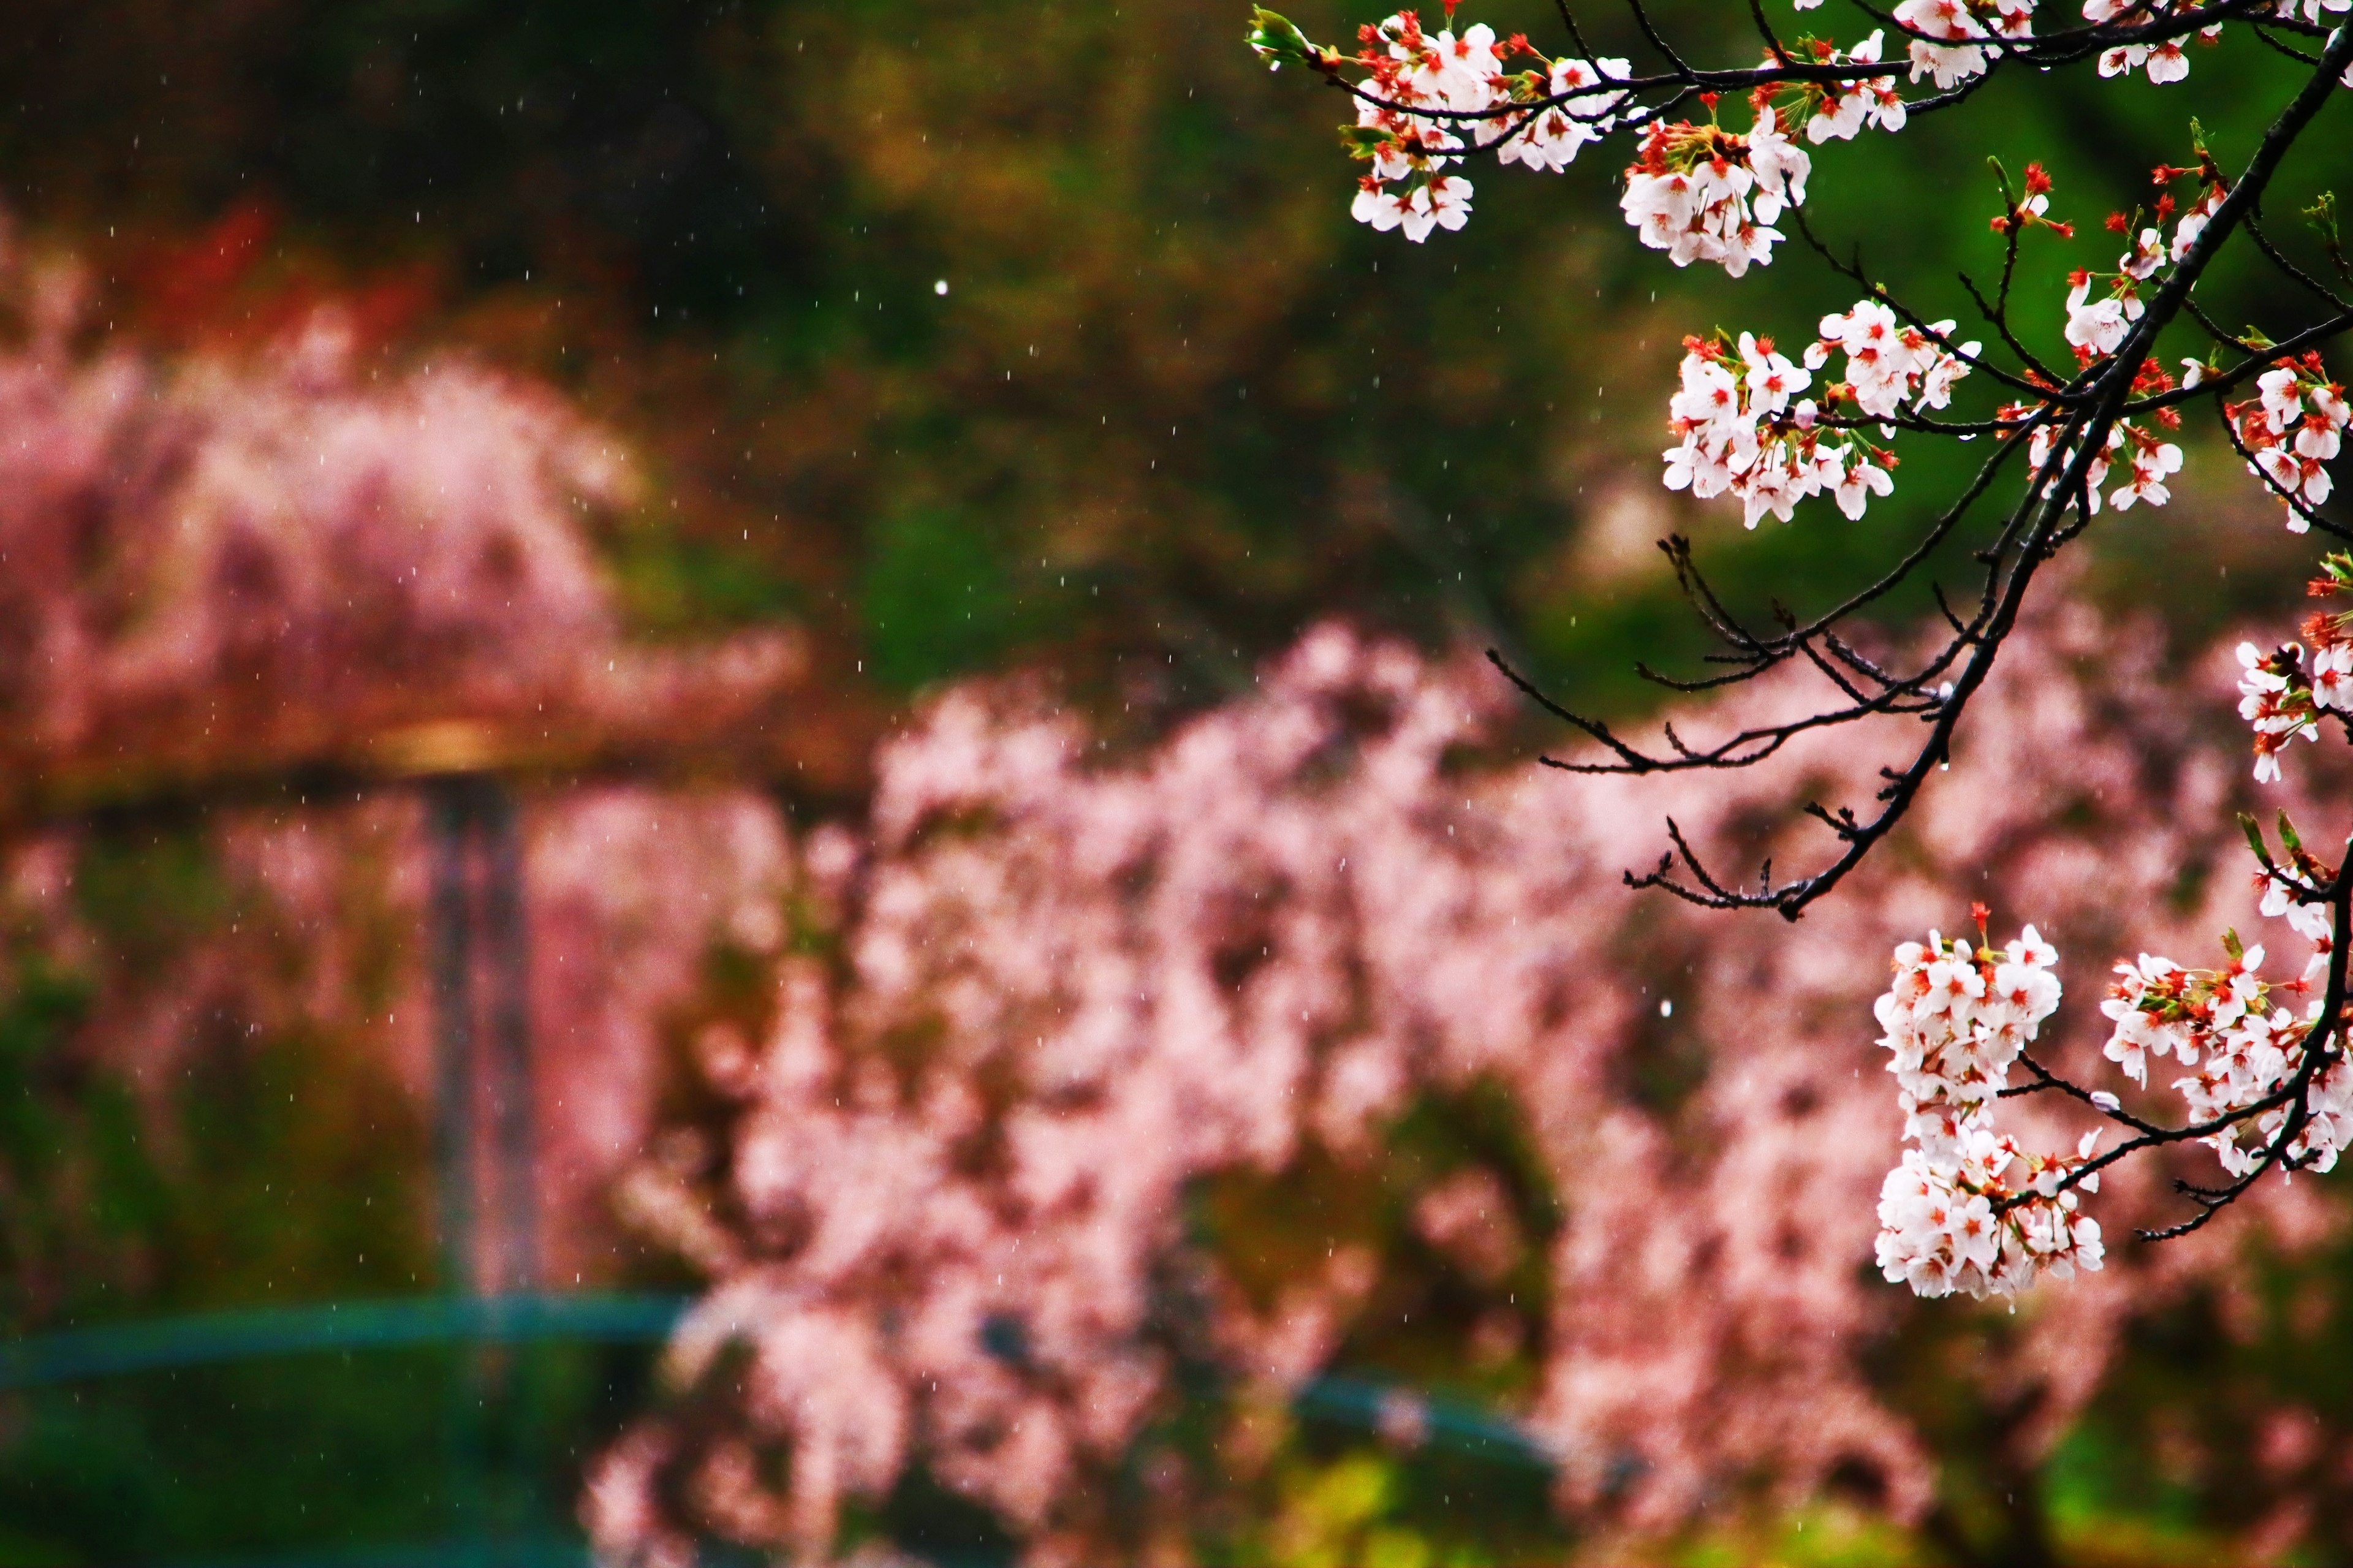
[[209, 1339], [476, 1324]]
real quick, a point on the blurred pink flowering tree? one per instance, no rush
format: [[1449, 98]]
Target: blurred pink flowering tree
[[1316, 1036], [243, 565], [244, 596], [2265, 1079]]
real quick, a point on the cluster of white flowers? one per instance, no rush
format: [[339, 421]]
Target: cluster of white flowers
[[1889, 364], [1962, 30], [1406, 188], [2098, 324], [2244, 1049], [2149, 460], [1956, 1019], [1548, 141], [2310, 922], [2283, 694], [1740, 432], [1742, 429], [2293, 429], [2096, 328], [1701, 193], [1969, 1209], [1442, 201], [2277, 699], [1542, 117], [2163, 60], [1842, 109]]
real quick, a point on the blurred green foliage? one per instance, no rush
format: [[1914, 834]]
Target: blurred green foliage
[[302, 1457], [1173, 400]]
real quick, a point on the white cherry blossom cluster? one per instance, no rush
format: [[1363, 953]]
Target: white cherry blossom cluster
[[1969, 1209], [2243, 1048], [1701, 193], [2310, 922], [2161, 1009], [2150, 460], [2098, 322], [1842, 109], [2283, 694], [2277, 699], [1548, 141], [2097, 327], [1418, 86], [1742, 429], [1740, 432], [2163, 60], [1889, 364], [1408, 69], [1956, 1019], [1422, 93], [2293, 428], [1961, 30], [2147, 457]]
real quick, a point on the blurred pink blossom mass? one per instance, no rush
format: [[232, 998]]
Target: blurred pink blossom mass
[[1071, 1055]]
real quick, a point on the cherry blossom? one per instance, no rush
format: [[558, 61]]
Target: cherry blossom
[[1701, 193], [2283, 693], [1422, 95], [1550, 140], [1969, 1209], [2222, 1022], [2290, 432], [1441, 203], [1843, 111], [2151, 461], [1740, 433], [2164, 61], [1952, 34], [2275, 698], [2099, 326], [1422, 88]]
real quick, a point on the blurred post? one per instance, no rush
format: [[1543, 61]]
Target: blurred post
[[450, 942], [506, 962], [506, 966], [476, 912]]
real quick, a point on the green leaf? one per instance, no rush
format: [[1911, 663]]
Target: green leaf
[[1277, 39], [2322, 215]]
